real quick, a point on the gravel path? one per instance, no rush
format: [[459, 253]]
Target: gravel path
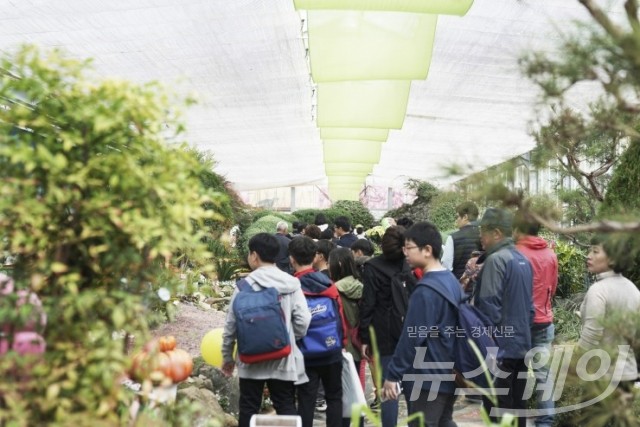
[[190, 325]]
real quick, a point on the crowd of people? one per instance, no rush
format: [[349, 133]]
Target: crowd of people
[[497, 263]]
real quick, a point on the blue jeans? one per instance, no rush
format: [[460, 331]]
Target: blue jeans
[[389, 408], [542, 339]]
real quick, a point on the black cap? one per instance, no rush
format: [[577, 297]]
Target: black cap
[[494, 218]]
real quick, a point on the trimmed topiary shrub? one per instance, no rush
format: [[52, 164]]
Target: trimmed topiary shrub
[[356, 212], [307, 216], [266, 224], [283, 216]]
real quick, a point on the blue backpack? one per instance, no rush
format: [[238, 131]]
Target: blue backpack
[[474, 326], [324, 336], [260, 323]]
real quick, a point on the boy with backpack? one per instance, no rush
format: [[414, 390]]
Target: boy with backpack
[[427, 328], [281, 370], [326, 337]]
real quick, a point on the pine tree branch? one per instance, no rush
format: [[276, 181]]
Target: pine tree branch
[[631, 7], [601, 18], [605, 226]]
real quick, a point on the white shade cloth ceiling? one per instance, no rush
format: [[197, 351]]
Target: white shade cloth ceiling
[[245, 60]]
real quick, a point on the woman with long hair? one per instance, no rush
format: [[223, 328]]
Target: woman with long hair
[[344, 272]]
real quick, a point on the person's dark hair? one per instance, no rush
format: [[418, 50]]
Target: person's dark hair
[[620, 256], [423, 234], [364, 245], [405, 222], [525, 225], [325, 247], [320, 219], [327, 234], [342, 264], [359, 229], [468, 208], [301, 227], [392, 242], [343, 222], [303, 249], [312, 231], [266, 246], [295, 225]]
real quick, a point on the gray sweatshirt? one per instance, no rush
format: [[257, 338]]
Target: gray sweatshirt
[[611, 293], [297, 316]]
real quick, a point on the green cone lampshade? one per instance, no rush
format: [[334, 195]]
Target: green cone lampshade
[[354, 133], [351, 151], [348, 169], [379, 104], [355, 45], [441, 7]]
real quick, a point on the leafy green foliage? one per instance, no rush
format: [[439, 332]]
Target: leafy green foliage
[[585, 144], [266, 224], [565, 318], [425, 191], [572, 272], [442, 210], [93, 203], [283, 216], [308, 216], [618, 408], [356, 212], [226, 260], [431, 204], [622, 201], [622, 193], [226, 209]]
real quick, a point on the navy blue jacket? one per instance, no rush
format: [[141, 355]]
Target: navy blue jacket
[[428, 309], [504, 294], [346, 240]]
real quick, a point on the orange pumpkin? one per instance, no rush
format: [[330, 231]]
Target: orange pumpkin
[[181, 365], [174, 364], [142, 366], [167, 343], [163, 364]]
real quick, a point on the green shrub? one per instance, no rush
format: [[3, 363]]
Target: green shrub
[[266, 224], [566, 319], [417, 211], [356, 212], [442, 210], [94, 204], [227, 211], [332, 213], [572, 272], [308, 216], [283, 216]]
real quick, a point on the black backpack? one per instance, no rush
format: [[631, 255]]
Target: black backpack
[[402, 284]]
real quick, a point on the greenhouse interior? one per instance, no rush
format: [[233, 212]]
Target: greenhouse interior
[[419, 166]]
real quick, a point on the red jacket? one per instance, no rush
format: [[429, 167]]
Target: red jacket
[[545, 275]]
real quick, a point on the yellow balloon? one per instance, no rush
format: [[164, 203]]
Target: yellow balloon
[[211, 347]]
